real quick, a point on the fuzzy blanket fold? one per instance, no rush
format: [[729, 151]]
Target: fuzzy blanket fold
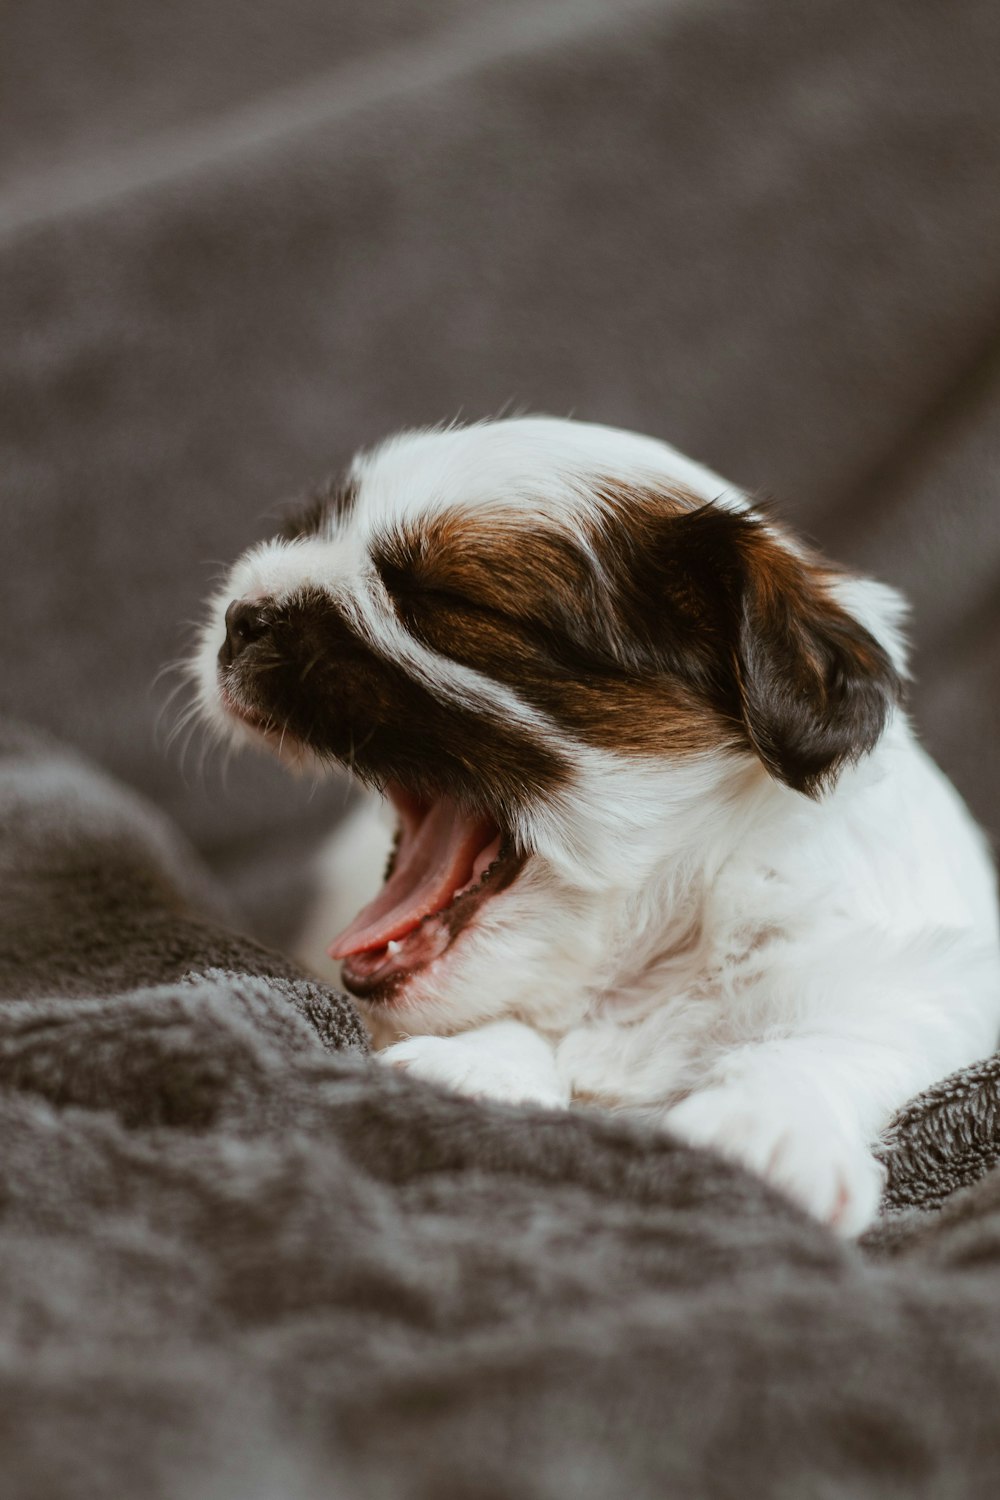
[[237, 1260]]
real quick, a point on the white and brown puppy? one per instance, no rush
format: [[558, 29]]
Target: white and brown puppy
[[666, 841]]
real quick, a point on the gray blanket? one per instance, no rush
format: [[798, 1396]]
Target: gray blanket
[[239, 1260]]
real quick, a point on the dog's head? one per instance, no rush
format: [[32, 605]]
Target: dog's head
[[568, 656]]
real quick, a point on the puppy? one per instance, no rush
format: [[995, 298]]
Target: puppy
[[665, 840]]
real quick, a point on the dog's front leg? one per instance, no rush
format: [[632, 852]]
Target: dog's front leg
[[504, 1060], [865, 1030], [800, 1113]]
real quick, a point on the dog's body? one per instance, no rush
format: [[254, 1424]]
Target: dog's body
[[667, 843]]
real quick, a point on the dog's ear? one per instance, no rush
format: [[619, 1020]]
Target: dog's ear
[[815, 687], [750, 619]]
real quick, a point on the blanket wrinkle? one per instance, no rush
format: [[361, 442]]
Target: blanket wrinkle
[[288, 1271], [177, 1055]]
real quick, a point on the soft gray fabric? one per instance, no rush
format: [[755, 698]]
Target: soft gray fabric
[[237, 1259], [98, 895], [945, 1139]]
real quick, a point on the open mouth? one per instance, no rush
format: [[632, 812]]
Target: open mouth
[[447, 864]]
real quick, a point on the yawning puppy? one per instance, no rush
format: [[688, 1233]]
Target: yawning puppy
[[665, 840]]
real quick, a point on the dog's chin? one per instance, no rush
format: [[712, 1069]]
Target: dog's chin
[[254, 727], [256, 723]]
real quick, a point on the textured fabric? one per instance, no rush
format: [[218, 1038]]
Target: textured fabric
[[238, 1259], [945, 1139]]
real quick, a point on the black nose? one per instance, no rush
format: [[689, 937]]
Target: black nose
[[245, 622]]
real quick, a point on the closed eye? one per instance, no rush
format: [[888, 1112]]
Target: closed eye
[[563, 642], [412, 594], [423, 596], [551, 647]]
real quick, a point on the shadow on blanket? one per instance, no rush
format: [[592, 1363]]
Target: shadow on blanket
[[237, 1260]]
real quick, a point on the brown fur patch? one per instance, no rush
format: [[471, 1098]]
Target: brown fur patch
[[547, 615], [815, 686], [671, 627]]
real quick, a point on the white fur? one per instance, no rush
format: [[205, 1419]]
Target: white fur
[[760, 973]]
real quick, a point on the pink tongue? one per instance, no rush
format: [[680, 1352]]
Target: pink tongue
[[436, 856]]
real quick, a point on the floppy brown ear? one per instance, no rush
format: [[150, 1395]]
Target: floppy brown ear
[[746, 620], [815, 687]]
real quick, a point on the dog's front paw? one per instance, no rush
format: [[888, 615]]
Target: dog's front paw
[[469, 1069], [793, 1143]]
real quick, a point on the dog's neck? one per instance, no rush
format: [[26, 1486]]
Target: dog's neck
[[700, 896]]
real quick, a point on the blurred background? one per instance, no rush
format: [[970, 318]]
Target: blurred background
[[239, 240]]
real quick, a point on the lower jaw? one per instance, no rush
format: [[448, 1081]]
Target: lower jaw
[[380, 991], [399, 997], [383, 990], [389, 987]]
